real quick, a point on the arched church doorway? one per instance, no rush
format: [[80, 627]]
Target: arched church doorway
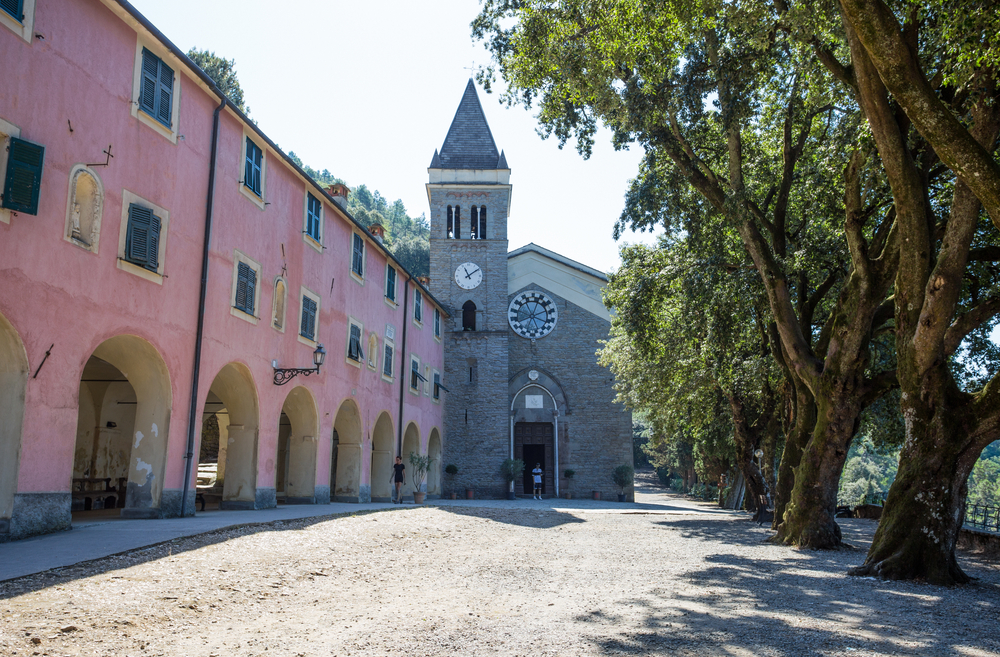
[[347, 437], [122, 430], [533, 444], [13, 383], [382, 459], [227, 460], [297, 430], [434, 473], [411, 445]]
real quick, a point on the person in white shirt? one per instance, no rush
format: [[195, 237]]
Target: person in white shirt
[[537, 474]]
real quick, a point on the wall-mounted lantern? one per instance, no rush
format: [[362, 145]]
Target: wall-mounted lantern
[[283, 375]]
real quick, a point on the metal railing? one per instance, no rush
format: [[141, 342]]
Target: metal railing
[[983, 516]]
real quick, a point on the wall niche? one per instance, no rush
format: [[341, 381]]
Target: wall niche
[[83, 211]]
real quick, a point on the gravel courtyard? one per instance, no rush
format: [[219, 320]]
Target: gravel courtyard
[[663, 576]]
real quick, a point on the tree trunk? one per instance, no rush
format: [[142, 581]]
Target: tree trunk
[[925, 507], [809, 519], [803, 423]]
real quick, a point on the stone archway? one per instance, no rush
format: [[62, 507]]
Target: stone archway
[[122, 428], [13, 383], [298, 439], [382, 458], [347, 437], [232, 402], [434, 473], [411, 443]]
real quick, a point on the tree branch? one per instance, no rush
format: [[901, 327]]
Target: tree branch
[[968, 322]]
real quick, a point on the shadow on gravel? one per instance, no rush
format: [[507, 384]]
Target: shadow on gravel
[[539, 518], [31, 583], [735, 604]]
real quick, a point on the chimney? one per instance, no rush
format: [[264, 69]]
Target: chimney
[[378, 230], [425, 281], [339, 193]]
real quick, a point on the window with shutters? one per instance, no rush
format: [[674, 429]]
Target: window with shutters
[[418, 306], [19, 17], [253, 167], [142, 240], [415, 375], [390, 284], [313, 229], [387, 354], [358, 257], [23, 176], [244, 298], [156, 89], [355, 352], [437, 386], [309, 319], [437, 324]]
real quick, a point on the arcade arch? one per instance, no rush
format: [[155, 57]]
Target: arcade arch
[[122, 428], [297, 430], [434, 473], [382, 459], [411, 444], [13, 383], [229, 439], [347, 442]]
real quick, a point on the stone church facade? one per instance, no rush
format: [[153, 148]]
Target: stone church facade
[[521, 374]]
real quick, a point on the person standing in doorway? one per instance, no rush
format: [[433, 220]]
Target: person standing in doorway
[[398, 474], [537, 475]]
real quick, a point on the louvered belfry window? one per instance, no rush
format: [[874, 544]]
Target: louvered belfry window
[[24, 176], [246, 287], [308, 327], [251, 173], [142, 239], [13, 7], [157, 90]]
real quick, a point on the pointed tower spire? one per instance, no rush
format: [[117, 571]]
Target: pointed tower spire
[[436, 160], [502, 164], [469, 144]]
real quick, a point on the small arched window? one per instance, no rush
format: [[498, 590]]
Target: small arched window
[[280, 296], [482, 223], [469, 316], [474, 223], [451, 223]]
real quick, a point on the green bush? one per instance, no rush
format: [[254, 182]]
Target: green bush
[[511, 469], [451, 469], [623, 476]]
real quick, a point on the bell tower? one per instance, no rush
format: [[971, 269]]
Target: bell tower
[[469, 190]]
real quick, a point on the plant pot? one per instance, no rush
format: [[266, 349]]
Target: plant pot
[[511, 495], [597, 494], [418, 498], [622, 498], [568, 495], [470, 494], [454, 496]]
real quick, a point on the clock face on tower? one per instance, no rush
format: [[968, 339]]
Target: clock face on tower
[[468, 275], [532, 314]]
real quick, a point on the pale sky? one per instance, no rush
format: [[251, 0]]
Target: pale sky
[[368, 90]]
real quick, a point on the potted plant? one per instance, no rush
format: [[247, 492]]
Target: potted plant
[[622, 476], [420, 463], [568, 475], [451, 470], [511, 470]]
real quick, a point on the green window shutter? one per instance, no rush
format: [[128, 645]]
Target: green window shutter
[[137, 235], [437, 386], [418, 305], [251, 174], [354, 346], [153, 241], [166, 92], [358, 261], [246, 287], [23, 181], [414, 374], [13, 7], [313, 217], [387, 361], [390, 283], [308, 325]]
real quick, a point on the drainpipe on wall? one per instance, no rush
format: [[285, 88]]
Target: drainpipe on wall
[[199, 335], [403, 370]]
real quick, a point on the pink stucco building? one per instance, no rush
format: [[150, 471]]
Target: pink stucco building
[[160, 257]]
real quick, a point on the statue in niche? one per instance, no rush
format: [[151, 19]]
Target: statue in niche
[[86, 199]]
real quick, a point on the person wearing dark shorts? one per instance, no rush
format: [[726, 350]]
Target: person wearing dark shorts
[[536, 474], [398, 474]]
